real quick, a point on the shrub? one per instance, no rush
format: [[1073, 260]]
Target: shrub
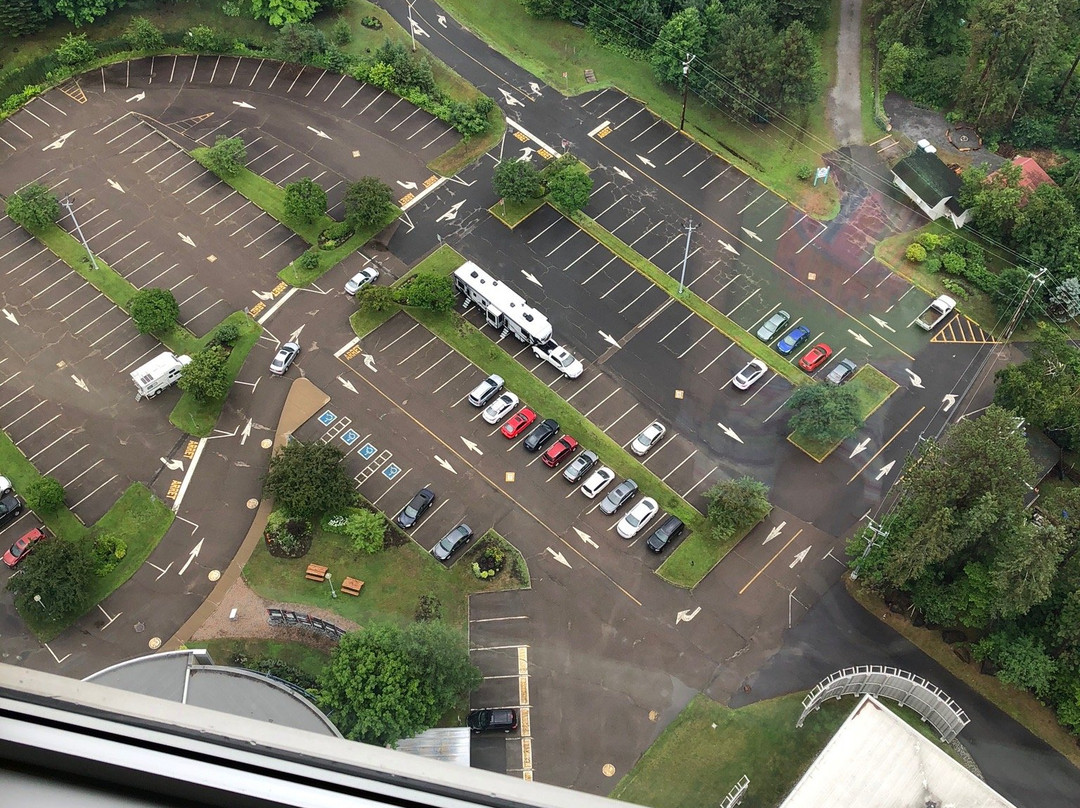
[[366, 201], [427, 290], [916, 253], [226, 157], [276, 668], [74, 51], [805, 172], [154, 311], [491, 558], [285, 537], [335, 234], [929, 240], [143, 35], [428, 609], [203, 39], [932, 265], [226, 334], [374, 23], [377, 299], [367, 530], [341, 33], [953, 264], [107, 552], [955, 288], [309, 261], [34, 207], [45, 495]]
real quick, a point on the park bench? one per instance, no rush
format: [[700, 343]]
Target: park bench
[[352, 586], [315, 572]]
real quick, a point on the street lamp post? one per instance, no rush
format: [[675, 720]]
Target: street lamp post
[[686, 254], [37, 600], [333, 594], [412, 29], [685, 86]]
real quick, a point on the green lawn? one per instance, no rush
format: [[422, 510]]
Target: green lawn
[[872, 388], [308, 659], [709, 747], [296, 276], [696, 555], [514, 213]]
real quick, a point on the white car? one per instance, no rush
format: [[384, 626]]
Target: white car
[[753, 371], [284, 358], [365, 276], [5, 485], [637, 517], [500, 407], [648, 438], [597, 482]]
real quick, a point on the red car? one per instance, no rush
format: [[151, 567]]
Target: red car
[[518, 423], [21, 548], [560, 450], [815, 357]]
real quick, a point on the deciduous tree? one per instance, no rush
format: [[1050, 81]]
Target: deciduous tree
[[45, 495], [367, 201], [227, 157], [154, 311], [283, 12], [59, 572], [428, 290], [205, 376], [307, 479], [305, 200], [824, 413], [34, 207], [517, 181]]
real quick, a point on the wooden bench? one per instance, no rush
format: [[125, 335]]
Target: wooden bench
[[352, 586], [315, 572]]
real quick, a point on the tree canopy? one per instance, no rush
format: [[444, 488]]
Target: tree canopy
[[226, 157], [58, 571], [517, 181], [824, 412], [34, 207], [305, 200], [367, 201], [206, 376], [307, 479], [154, 311]]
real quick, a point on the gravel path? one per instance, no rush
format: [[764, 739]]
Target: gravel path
[[844, 104]]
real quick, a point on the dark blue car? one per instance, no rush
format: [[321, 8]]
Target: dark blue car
[[793, 339]]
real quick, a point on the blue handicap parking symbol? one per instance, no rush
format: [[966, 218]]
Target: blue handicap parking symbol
[[327, 418], [366, 451], [391, 471], [350, 437]]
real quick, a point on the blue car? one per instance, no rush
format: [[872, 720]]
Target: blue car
[[793, 339]]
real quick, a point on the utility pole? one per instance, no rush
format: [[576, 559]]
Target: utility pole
[[690, 226], [876, 532], [412, 30], [1036, 277], [67, 204], [685, 86]]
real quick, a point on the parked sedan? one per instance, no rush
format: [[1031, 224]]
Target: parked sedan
[[284, 358], [498, 408], [365, 277], [648, 438], [793, 339], [815, 357], [416, 508], [597, 482], [505, 720], [10, 507], [580, 466], [518, 423], [541, 436], [619, 496], [771, 327], [5, 485], [22, 547], [637, 517], [753, 371], [669, 530], [452, 542], [841, 372], [559, 452]]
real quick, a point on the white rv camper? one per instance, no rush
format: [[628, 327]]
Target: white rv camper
[[503, 308], [157, 374]]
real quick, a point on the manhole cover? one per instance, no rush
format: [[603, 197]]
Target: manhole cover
[[609, 770], [213, 575], [140, 628], [252, 504], [267, 443], [155, 643]]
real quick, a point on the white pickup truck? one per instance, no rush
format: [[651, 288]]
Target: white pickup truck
[[559, 358], [933, 315]]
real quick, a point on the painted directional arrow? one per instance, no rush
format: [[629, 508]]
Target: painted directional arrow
[[295, 335], [774, 532], [11, 317], [646, 161], [173, 465], [369, 362], [729, 432], [442, 20], [191, 557], [859, 447], [472, 446], [727, 246], [187, 239], [622, 174], [246, 433], [408, 186], [948, 401], [531, 277], [450, 214], [885, 469], [860, 338], [346, 384], [138, 97], [59, 142], [243, 104], [686, 615], [535, 88], [800, 556], [610, 339], [80, 383], [115, 185], [916, 380], [585, 537], [526, 154], [752, 234], [882, 323], [559, 557], [418, 30], [263, 295], [319, 132], [444, 464], [509, 99]]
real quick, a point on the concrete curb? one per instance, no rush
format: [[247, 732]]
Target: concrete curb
[[303, 401]]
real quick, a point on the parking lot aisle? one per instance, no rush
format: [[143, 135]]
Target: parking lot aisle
[[505, 684]]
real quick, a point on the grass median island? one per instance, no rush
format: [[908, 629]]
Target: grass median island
[[872, 388], [697, 554], [514, 213], [725, 325], [296, 275]]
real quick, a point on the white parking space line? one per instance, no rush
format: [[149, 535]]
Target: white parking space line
[[277, 246], [699, 339], [664, 478], [441, 386], [626, 220], [49, 446], [609, 395], [745, 300], [400, 336], [697, 165], [201, 313], [622, 100], [406, 118], [782, 207], [334, 88], [576, 231], [27, 437], [714, 179], [428, 520], [433, 364], [759, 388], [93, 299], [351, 97], [676, 327], [421, 129], [794, 224], [609, 426], [733, 190], [400, 477], [626, 277], [92, 322], [81, 501], [66, 459], [580, 389], [662, 142], [538, 235], [722, 288], [14, 397], [595, 244], [648, 288], [699, 482], [704, 274], [639, 134], [751, 203], [680, 154], [668, 441], [372, 101], [647, 232], [601, 269], [811, 241], [715, 358]]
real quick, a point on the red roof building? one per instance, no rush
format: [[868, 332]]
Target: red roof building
[[1032, 174]]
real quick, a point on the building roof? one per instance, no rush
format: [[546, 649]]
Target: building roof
[[1031, 174], [928, 177], [450, 744], [876, 759]]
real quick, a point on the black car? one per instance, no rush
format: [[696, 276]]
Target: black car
[[452, 542], [493, 720], [412, 512], [10, 507], [670, 530], [539, 437], [580, 466], [619, 496]]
